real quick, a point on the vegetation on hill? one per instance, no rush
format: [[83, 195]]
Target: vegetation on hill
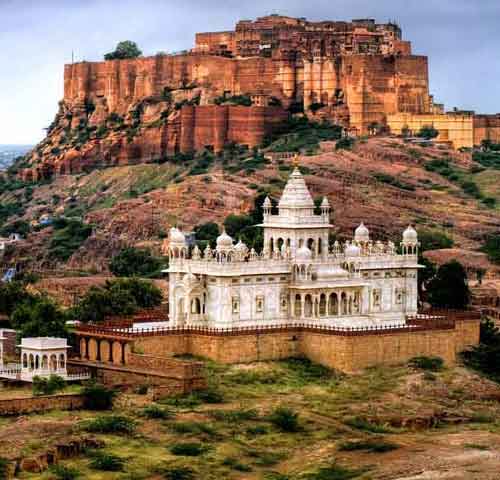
[[69, 234], [492, 247]]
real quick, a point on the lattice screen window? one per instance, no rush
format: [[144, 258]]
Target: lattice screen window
[[284, 302], [400, 295]]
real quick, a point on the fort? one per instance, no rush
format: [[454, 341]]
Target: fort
[[239, 86]]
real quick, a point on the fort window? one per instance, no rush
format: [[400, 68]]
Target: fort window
[[377, 296]]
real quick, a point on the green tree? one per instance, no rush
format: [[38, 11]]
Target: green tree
[[117, 297], [12, 294], [135, 262], [428, 132], [124, 50], [206, 233], [39, 317], [236, 224], [448, 288], [433, 240]]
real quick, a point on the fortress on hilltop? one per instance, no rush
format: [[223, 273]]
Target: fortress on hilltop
[[240, 87]]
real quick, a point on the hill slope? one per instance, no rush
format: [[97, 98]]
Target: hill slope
[[381, 181]]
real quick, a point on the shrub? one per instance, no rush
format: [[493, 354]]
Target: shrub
[[345, 143], [428, 132], [285, 419], [110, 424], [433, 364], [257, 430], [177, 473], [434, 240], [234, 416], [107, 462], [189, 449], [485, 357], [372, 445], [492, 247], [236, 465], [308, 371], [155, 412], [47, 385], [62, 472], [390, 180], [4, 468], [193, 428], [365, 425], [332, 472], [98, 397]]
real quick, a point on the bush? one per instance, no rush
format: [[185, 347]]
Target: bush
[[433, 240], [492, 247], [485, 357], [189, 449], [156, 412], [47, 385], [390, 180], [110, 424], [234, 416], [428, 132], [177, 473], [433, 364], [308, 371], [194, 428], [236, 465], [345, 143], [365, 425], [285, 419], [332, 472], [107, 462], [372, 445], [98, 397], [4, 468], [62, 472]]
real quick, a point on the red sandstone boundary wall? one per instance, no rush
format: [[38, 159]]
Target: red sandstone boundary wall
[[22, 406]]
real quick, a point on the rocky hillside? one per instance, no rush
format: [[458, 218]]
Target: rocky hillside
[[381, 181]]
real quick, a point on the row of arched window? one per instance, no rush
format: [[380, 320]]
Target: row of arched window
[[44, 362]]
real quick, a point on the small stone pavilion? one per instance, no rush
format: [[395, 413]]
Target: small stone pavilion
[[41, 357]]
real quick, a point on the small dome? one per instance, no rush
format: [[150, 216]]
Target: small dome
[[352, 250], [303, 254], [241, 247], [190, 279], [325, 203], [410, 235], [224, 241], [362, 234], [267, 203], [176, 236]]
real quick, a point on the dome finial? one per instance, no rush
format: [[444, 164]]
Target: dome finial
[[295, 161]]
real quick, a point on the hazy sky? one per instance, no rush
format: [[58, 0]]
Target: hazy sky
[[461, 38]]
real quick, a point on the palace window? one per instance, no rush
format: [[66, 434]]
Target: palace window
[[400, 294], [284, 302], [235, 304], [377, 298], [259, 304]]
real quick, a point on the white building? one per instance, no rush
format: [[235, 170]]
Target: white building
[[298, 277], [41, 357]]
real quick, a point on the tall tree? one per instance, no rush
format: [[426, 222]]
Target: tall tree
[[124, 50], [448, 288]]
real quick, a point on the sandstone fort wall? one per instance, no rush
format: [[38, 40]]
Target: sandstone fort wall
[[23, 406]]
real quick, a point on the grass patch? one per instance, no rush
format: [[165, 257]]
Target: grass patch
[[193, 428], [332, 472], [235, 464], [234, 416], [62, 472], [177, 473]]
